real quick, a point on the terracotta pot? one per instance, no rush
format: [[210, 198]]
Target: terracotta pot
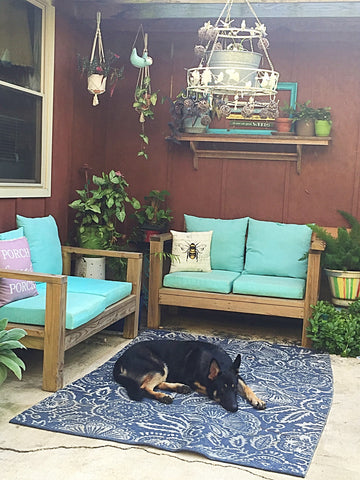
[[305, 128], [283, 124]]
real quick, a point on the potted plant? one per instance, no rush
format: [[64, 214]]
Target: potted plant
[[304, 118], [153, 217], [190, 113], [284, 121], [9, 341], [323, 122], [99, 210], [341, 260], [99, 70]]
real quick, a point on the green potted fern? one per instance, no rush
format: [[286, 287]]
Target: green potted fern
[[341, 260]]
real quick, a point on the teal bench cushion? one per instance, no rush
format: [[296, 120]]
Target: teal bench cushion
[[270, 286], [228, 240], [276, 249], [86, 298], [219, 281]]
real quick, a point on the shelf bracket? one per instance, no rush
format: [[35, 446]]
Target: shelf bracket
[[194, 149]]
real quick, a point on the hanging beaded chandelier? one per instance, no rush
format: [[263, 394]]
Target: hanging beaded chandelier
[[235, 70]]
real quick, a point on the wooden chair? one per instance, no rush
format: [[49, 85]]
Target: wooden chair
[[53, 338]]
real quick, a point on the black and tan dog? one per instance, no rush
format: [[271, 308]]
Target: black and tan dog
[[182, 366]]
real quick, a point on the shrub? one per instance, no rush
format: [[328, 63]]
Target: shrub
[[336, 330]]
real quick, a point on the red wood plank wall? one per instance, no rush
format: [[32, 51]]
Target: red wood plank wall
[[327, 69]]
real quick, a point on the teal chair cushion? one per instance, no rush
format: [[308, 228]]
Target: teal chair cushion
[[228, 240], [45, 248], [86, 298], [112, 291], [12, 234], [270, 286], [276, 249], [219, 281]]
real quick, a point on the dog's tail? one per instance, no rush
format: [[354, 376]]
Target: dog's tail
[[132, 387]]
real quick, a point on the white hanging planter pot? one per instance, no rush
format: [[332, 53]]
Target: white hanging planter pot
[[96, 86]]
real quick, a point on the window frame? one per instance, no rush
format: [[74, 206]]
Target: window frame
[[18, 189]]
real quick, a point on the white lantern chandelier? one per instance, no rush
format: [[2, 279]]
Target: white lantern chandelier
[[235, 70]]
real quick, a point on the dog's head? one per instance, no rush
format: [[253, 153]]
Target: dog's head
[[224, 384]]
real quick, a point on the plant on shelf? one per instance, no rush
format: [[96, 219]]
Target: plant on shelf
[[191, 114], [323, 122], [284, 121], [100, 210], [9, 341], [153, 216], [335, 330], [341, 259], [304, 118]]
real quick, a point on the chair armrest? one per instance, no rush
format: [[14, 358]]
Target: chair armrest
[[134, 264], [34, 276], [67, 251]]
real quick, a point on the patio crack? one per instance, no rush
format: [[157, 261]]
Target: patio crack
[[257, 473]]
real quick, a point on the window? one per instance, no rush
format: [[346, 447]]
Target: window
[[26, 97]]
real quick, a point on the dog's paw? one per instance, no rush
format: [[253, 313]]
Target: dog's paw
[[183, 389], [166, 399], [258, 404]]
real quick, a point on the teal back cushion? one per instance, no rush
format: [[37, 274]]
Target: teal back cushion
[[276, 249], [45, 248], [228, 240], [12, 234]]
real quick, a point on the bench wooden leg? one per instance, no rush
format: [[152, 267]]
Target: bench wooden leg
[[54, 338]]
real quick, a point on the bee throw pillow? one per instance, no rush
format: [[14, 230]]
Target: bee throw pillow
[[191, 251]]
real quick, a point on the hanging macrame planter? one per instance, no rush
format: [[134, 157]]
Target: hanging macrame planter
[[97, 81], [144, 99]]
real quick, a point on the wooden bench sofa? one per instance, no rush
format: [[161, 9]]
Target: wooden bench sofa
[[160, 295], [54, 338]]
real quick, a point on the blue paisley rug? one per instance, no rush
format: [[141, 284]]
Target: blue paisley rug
[[295, 382]]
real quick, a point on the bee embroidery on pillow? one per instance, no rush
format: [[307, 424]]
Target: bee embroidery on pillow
[[193, 250]]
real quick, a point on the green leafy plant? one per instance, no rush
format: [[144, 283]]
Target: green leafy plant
[[9, 341], [323, 114], [109, 68], [152, 212], [144, 102], [100, 210], [144, 99], [303, 111], [335, 330], [341, 252]]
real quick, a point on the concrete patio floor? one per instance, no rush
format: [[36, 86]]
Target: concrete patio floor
[[28, 453]]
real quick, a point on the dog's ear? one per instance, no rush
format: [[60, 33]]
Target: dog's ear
[[236, 364], [214, 369]]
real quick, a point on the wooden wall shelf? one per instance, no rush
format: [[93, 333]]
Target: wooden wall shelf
[[226, 146]]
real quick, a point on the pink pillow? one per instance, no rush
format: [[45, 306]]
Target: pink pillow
[[15, 255]]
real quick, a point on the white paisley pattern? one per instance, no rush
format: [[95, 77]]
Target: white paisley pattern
[[296, 384]]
